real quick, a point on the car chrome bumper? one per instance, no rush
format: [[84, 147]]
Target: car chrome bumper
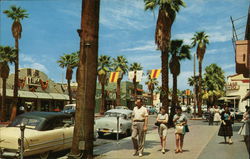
[[109, 131], [8, 154]]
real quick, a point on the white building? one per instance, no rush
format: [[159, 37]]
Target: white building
[[237, 88]]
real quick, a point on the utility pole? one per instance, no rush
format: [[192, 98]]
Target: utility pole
[[195, 95]]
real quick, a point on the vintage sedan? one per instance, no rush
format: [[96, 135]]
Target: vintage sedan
[[108, 123], [45, 132]]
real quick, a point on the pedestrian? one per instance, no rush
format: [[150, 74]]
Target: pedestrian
[[180, 121], [217, 116], [162, 119], [244, 130], [226, 129], [211, 116], [139, 127]]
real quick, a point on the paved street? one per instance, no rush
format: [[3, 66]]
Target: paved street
[[201, 143]]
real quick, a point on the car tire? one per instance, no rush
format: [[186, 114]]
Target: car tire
[[44, 155], [100, 134]]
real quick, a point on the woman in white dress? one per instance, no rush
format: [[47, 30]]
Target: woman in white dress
[[217, 116], [244, 130], [162, 119]]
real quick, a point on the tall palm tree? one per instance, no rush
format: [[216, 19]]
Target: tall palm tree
[[104, 64], [87, 76], [200, 40], [135, 67], [178, 52], [16, 14], [166, 17], [120, 64], [69, 61], [151, 83], [7, 55]]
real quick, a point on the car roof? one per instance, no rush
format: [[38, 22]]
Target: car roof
[[44, 115], [74, 105], [123, 111]]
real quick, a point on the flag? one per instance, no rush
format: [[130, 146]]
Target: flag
[[187, 92], [155, 73], [139, 76], [113, 77], [131, 75]]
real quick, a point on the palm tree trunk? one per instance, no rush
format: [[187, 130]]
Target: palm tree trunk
[[165, 89], [16, 78], [102, 108], [70, 92], [200, 89], [83, 138], [118, 92], [4, 108], [174, 101]]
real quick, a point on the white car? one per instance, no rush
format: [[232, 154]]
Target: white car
[[121, 107], [108, 123]]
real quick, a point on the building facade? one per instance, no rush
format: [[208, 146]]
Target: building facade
[[236, 89], [36, 91]]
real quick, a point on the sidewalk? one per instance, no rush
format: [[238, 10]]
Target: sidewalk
[[194, 143], [217, 149]]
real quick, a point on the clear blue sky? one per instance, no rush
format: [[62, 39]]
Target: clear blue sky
[[125, 29]]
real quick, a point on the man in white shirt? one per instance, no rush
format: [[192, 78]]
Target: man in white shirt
[[139, 126]]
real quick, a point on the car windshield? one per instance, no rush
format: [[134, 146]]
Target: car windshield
[[114, 114], [68, 107], [28, 122]]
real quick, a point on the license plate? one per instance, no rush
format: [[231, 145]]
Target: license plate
[[104, 130]]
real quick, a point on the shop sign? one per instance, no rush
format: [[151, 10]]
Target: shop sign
[[232, 86]]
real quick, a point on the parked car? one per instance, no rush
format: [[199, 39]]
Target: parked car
[[151, 109], [121, 107], [45, 132], [69, 109], [108, 123]]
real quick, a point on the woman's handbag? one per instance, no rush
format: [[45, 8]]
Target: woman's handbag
[[186, 128], [179, 129], [157, 123]]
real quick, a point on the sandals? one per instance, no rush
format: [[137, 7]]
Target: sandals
[[177, 151]]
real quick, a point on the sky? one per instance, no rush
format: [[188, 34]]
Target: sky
[[125, 29]]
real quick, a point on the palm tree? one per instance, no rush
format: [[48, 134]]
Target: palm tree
[[214, 82], [178, 53], [104, 64], [120, 64], [16, 14], [87, 76], [7, 55], [69, 61], [200, 40], [151, 83], [166, 16], [135, 67]]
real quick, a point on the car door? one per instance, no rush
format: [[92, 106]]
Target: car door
[[50, 139]]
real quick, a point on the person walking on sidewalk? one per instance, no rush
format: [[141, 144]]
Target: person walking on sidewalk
[[211, 116], [162, 119], [139, 126], [217, 116], [180, 121], [226, 129]]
